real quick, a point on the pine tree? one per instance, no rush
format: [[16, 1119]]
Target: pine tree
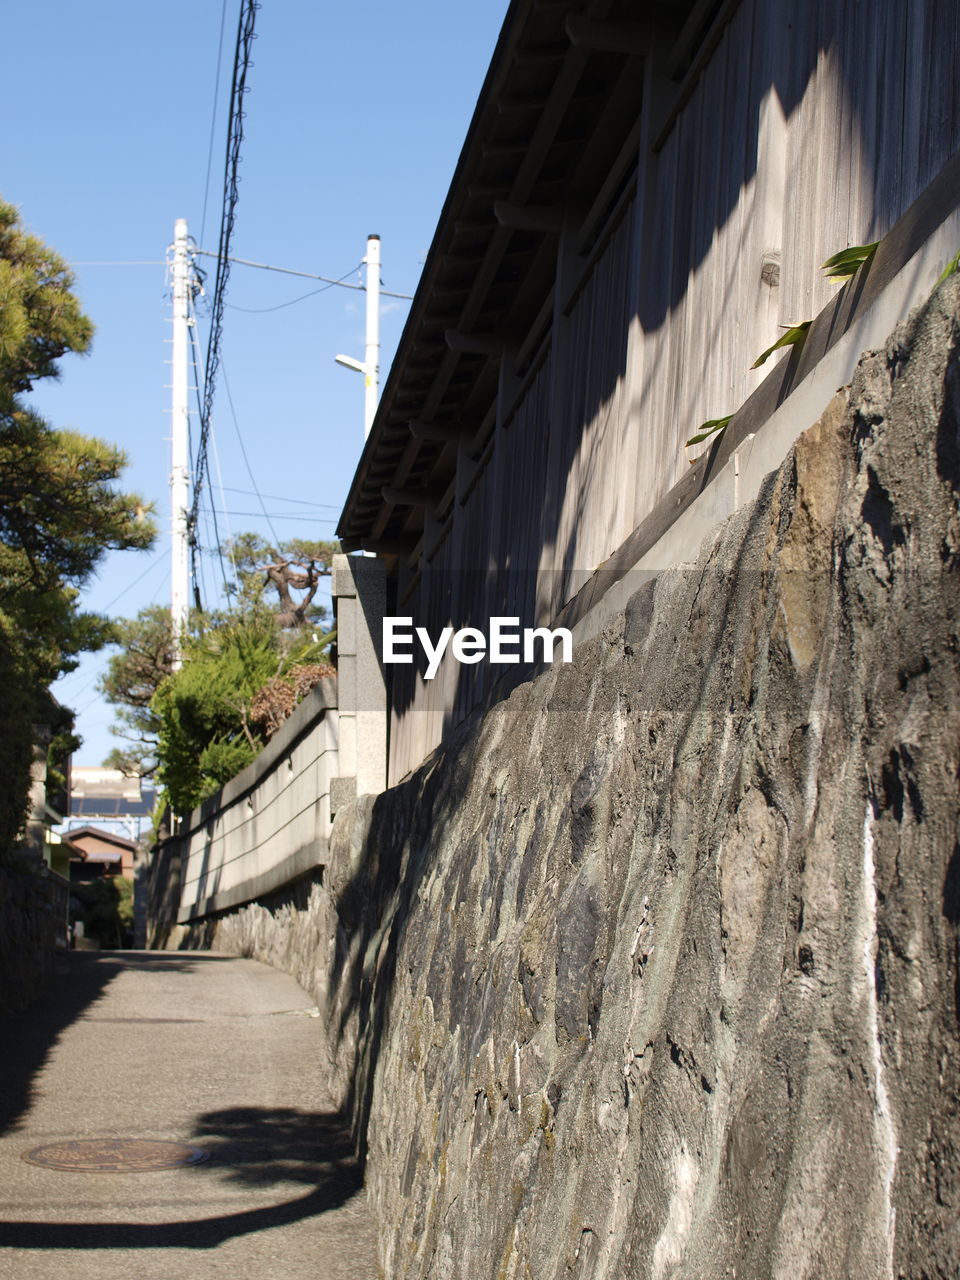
[[59, 510]]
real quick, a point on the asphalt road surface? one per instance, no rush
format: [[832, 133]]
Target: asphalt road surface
[[213, 1053]]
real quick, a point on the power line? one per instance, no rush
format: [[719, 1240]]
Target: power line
[[238, 87], [243, 451], [303, 296], [278, 515], [213, 118], [200, 582], [140, 577], [223, 500], [276, 497], [306, 275], [343, 282], [211, 438], [192, 329]]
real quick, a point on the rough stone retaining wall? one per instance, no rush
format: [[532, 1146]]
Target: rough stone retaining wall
[[32, 915], [654, 972]]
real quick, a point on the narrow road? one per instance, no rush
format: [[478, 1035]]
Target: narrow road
[[218, 1054]]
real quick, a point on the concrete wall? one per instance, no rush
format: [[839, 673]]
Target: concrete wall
[[359, 595], [271, 824]]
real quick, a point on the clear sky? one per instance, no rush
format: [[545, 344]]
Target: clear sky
[[355, 118]]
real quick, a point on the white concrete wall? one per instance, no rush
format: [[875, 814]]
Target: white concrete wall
[[271, 822]]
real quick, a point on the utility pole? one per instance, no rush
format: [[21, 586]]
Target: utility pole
[[369, 366], [180, 448], [371, 356]]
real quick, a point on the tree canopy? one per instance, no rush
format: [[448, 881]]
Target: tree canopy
[[134, 674], [262, 568], [240, 678], [59, 510], [245, 668], [40, 318]]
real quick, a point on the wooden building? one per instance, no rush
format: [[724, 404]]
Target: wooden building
[[646, 192]]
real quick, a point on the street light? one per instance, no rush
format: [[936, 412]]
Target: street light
[[370, 366], [348, 362]]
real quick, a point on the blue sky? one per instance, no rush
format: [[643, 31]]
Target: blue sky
[[355, 118]]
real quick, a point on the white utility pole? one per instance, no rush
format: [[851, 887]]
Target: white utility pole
[[371, 355], [369, 366], [180, 437]]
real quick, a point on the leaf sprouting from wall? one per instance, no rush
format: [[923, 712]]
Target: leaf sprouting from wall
[[841, 266], [712, 427], [793, 337]]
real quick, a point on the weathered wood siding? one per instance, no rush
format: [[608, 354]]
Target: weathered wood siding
[[812, 127]]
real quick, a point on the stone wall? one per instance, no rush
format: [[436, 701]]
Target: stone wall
[[653, 972], [33, 908]]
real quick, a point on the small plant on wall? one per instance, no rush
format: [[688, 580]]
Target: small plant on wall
[[840, 267]]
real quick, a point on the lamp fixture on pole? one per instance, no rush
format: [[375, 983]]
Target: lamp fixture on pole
[[369, 366]]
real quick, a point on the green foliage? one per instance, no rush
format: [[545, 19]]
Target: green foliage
[[312, 647], [794, 337], [204, 733], [258, 573], [132, 677], [18, 705], [841, 266], [950, 269], [59, 509], [245, 554], [40, 318], [106, 908], [712, 427]]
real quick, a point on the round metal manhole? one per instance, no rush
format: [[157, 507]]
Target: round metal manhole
[[114, 1155]]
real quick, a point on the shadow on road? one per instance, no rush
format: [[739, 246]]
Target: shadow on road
[[259, 1147], [26, 1038]]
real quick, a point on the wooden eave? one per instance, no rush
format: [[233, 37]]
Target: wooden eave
[[551, 119]]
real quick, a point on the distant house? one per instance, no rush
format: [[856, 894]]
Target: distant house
[[643, 202], [95, 853]]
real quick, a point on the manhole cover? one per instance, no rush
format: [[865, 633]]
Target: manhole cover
[[114, 1155]]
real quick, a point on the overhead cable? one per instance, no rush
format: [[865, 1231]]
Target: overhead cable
[[213, 118], [243, 453], [137, 580], [324, 288], [241, 65], [278, 515], [276, 497], [307, 275], [196, 359]]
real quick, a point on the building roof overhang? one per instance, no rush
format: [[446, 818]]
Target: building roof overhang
[[99, 834], [550, 150]]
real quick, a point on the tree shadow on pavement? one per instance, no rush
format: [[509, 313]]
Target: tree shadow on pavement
[[258, 1147], [27, 1037]]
